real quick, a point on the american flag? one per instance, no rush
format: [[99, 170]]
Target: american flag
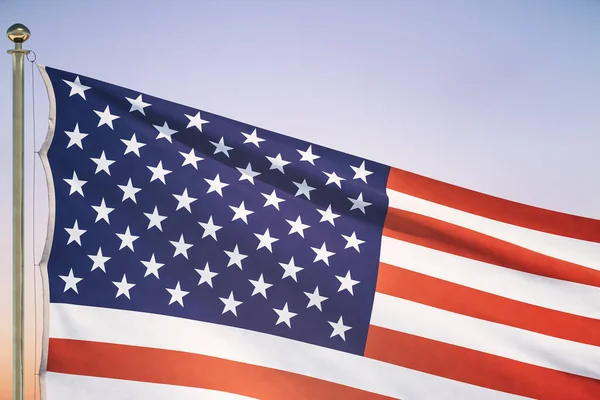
[[191, 256]]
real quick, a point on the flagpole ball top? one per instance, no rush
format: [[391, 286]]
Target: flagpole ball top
[[18, 33]]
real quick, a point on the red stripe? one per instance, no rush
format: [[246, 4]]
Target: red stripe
[[463, 300], [477, 368], [193, 370], [493, 207], [443, 236]]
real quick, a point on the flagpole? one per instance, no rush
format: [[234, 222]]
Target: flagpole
[[18, 33]]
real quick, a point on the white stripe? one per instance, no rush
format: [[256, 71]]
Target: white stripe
[[545, 292], [568, 249], [501, 340], [79, 387], [164, 332]]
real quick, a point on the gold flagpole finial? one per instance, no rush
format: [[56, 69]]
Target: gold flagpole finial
[[18, 33]]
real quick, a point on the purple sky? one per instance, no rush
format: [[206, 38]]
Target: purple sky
[[498, 96]]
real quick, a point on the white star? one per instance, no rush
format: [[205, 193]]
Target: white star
[[235, 257], [361, 172], [322, 254], [315, 299], [76, 137], [241, 213], [221, 148], [133, 146], [358, 203], [216, 185], [353, 241], [303, 189], [297, 226], [77, 87], [76, 184], [181, 247], [127, 239], [308, 155], [102, 164], [253, 138], [206, 275], [75, 233], [190, 158], [184, 201], [260, 286], [328, 215], [138, 104], [248, 174], [152, 266], [165, 132], [159, 172], [272, 200], [347, 283], [339, 329], [70, 281], [265, 240], [210, 229], [231, 304], [106, 118], [333, 178], [284, 315], [277, 163], [290, 269], [196, 121], [99, 260], [177, 294], [155, 219], [129, 191], [123, 287], [102, 211]]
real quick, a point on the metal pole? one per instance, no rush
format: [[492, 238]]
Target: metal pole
[[18, 33]]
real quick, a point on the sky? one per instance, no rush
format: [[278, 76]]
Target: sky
[[499, 96]]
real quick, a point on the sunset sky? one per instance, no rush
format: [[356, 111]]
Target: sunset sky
[[498, 96]]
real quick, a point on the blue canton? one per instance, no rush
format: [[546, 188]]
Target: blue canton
[[162, 208]]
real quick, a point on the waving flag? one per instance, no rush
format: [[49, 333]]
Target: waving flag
[[192, 256]]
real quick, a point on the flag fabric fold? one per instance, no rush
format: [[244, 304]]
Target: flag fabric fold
[[189, 255]]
